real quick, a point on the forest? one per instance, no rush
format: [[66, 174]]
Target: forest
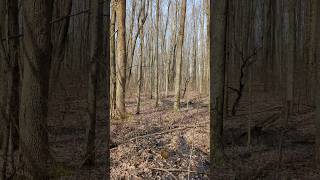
[[159, 89]]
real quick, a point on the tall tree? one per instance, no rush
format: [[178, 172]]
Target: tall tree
[[35, 87], [195, 41], [142, 20], [61, 9], [107, 107], [121, 58], [317, 47], [218, 35], [96, 53], [113, 54], [14, 72], [156, 93], [4, 74], [179, 55], [289, 33]]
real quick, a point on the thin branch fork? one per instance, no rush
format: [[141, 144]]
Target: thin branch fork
[[246, 62]]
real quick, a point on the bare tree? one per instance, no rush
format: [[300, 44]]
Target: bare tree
[[317, 47], [179, 55], [121, 58], [113, 54], [35, 87], [142, 20], [96, 47], [59, 38], [218, 34]]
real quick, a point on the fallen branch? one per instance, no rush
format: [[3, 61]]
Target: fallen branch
[[177, 170], [160, 133]]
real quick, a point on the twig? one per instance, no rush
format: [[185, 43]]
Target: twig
[[177, 170], [159, 133]]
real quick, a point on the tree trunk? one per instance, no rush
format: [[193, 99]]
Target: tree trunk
[[96, 45], [35, 87], [317, 47], [179, 56], [156, 93], [218, 35], [195, 42], [289, 33], [59, 39], [141, 23], [14, 73], [121, 59], [113, 55]]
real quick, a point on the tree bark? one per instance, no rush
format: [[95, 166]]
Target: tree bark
[[156, 93], [141, 32], [59, 34], [121, 59], [289, 33], [317, 47], [96, 47], [218, 35], [113, 55], [179, 56], [35, 87]]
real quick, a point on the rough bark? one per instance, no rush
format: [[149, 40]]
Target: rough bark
[[35, 87], [218, 23], [156, 89], [59, 33], [113, 55], [289, 33], [141, 34], [107, 106], [14, 73], [179, 55], [96, 45], [121, 59], [317, 46]]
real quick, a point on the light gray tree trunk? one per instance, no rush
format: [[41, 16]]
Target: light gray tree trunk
[[156, 93], [179, 55]]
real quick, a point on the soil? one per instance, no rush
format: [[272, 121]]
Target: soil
[[160, 143]]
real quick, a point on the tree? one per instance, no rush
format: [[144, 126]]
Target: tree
[[218, 34], [59, 38], [113, 55], [142, 20], [96, 47], [179, 55], [289, 33], [35, 87], [317, 46], [121, 58], [156, 93], [194, 58], [4, 75]]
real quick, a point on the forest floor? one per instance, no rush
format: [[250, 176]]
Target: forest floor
[[160, 143]]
